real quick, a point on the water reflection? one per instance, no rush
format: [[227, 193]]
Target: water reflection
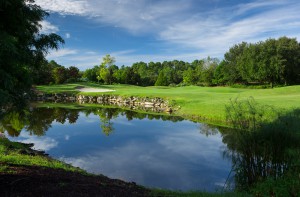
[[152, 150], [160, 151], [37, 121]]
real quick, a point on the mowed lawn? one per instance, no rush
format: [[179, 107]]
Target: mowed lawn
[[205, 102]]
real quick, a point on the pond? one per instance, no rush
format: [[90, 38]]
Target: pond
[[162, 151], [154, 151]]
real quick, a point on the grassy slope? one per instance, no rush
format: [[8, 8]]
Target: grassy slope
[[14, 153], [206, 102]]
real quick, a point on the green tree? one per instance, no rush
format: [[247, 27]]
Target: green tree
[[106, 70], [209, 67], [289, 51], [43, 74], [189, 76], [59, 75], [91, 74], [161, 79], [23, 47], [231, 59], [72, 74]]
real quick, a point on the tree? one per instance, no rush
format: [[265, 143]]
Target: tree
[[161, 79], [59, 75], [106, 70], [231, 60], [108, 60], [130, 77], [209, 67], [189, 76], [91, 74], [73, 73], [289, 51], [43, 75], [23, 47]]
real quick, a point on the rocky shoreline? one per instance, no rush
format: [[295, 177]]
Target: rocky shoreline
[[156, 104]]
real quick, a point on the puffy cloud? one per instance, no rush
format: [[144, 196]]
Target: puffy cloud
[[48, 27], [61, 53], [66, 7], [208, 27]]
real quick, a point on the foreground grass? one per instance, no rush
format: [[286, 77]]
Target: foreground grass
[[14, 153], [198, 103], [157, 193]]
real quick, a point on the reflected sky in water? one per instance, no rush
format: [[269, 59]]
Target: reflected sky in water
[[152, 153]]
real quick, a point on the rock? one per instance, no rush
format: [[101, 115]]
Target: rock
[[149, 103], [169, 110]]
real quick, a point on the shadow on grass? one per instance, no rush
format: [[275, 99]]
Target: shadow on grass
[[264, 147]]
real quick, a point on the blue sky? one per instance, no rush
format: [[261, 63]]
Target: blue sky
[[159, 30]]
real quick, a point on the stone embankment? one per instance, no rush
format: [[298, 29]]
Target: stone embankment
[[139, 103]]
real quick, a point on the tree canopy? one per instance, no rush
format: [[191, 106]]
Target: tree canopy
[[22, 46], [274, 61]]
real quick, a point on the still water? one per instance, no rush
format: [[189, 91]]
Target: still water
[[154, 151]]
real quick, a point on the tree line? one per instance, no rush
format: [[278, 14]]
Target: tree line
[[52, 73], [271, 62], [274, 61], [24, 47], [37, 121], [154, 73]]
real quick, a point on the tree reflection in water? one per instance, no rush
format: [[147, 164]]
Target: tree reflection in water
[[37, 121], [259, 149]]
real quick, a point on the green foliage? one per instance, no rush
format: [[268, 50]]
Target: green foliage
[[161, 79], [159, 192], [189, 76], [199, 103], [91, 74], [73, 73], [274, 61], [14, 153], [265, 152], [248, 115], [159, 74], [22, 47]]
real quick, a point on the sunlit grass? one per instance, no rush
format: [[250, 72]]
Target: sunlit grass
[[12, 153], [207, 103]]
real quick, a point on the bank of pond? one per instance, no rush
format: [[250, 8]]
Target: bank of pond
[[163, 151]]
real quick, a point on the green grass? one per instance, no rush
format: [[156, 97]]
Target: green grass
[[12, 153], [203, 103], [167, 193]]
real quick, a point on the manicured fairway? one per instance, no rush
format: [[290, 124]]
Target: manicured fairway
[[194, 101]]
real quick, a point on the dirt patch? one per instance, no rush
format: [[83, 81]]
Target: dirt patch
[[40, 181], [83, 89]]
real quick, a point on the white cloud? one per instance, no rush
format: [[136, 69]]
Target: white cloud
[[55, 54], [68, 35], [135, 16], [215, 34], [154, 166], [178, 25], [48, 27], [87, 59], [44, 144], [67, 137], [67, 7]]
